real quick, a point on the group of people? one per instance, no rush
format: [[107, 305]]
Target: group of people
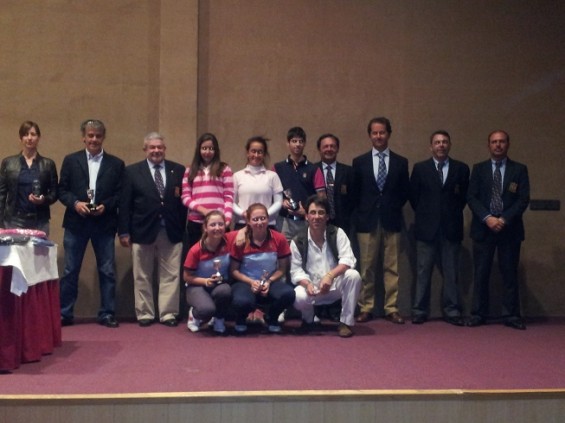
[[291, 227]]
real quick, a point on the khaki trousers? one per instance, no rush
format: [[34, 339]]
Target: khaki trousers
[[376, 247]]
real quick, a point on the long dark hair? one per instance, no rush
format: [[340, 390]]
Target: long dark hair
[[216, 166]]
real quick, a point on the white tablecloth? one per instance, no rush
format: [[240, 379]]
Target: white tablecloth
[[32, 264]]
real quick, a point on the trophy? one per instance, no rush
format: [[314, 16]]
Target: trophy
[[264, 278], [36, 188], [217, 264], [90, 195], [288, 194]]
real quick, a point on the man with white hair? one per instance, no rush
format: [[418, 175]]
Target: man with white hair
[[151, 222]]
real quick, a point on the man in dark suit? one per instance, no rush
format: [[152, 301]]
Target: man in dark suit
[[438, 194], [89, 188], [499, 193], [380, 189], [338, 181], [152, 219]]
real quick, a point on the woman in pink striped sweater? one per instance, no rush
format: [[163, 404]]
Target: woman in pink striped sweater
[[207, 185]]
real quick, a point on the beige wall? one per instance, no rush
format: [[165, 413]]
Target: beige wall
[[239, 68]]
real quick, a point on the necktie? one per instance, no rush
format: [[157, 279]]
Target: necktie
[[159, 181], [440, 171], [496, 198], [330, 191], [381, 175]]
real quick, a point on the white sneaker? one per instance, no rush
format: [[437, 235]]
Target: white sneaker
[[219, 326], [193, 323], [281, 317]]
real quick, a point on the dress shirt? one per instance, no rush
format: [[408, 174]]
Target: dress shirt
[[502, 168], [162, 170], [320, 261], [93, 169], [376, 159], [445, 169]]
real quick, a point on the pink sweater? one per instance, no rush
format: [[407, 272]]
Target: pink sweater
[[210, 192]]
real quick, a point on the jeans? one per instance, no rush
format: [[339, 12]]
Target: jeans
[[75, 244]]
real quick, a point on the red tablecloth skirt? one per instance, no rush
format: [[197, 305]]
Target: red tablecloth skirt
[[30, 325]]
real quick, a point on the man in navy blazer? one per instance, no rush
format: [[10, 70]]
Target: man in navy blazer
[[151, 222], [340, 202], [438, 195], [497, 226], [89, 187], [380, 189]]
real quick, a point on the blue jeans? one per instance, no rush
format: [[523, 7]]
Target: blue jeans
[[75, 244]]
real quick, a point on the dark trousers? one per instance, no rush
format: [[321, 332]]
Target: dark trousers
[[280, 297], [508, 254]]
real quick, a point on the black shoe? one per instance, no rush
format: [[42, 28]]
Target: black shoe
[[109, 321], [418, 319], [304, 329], [145, 322], [515, 324], [475, 321], [67, 321], [455, 320], [170, 323]]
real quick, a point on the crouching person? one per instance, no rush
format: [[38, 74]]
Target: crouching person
[[322, 268]]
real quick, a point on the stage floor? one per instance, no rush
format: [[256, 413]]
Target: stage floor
[[434, 357]]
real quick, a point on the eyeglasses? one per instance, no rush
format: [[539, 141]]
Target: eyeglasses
[[208, 148]]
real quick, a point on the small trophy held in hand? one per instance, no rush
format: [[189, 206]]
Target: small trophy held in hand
[[90, 195], [288, 194], [217, 264], [36, 188], [264, 278]]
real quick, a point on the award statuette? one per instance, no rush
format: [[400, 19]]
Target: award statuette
[[264, 278], [36, 188], [217, 264], [293, 204], [90, 195]]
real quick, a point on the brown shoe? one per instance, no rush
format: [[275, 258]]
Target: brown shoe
[[395, 318], [344, 331], [363, 317]]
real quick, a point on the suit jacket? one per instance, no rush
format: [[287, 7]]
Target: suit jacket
[[74, 182], [439, 208], [141, 208], [372, 205], [342, 200], [9, 176], [515, 199]]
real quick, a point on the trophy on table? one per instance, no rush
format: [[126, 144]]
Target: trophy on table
[[293, 204], [36, 188], [90, 194], [217, 264]]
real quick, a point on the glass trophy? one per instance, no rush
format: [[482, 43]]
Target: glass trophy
[[90, 195], [217, 264], [36, 188]]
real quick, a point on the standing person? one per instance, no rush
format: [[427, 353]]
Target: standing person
[[381, 186], [258, 267], [499, 193], [89, 188], [438, 195], [323, 268], [152, 219], [256, 184], [337, 177], [207, 185], [28, 184], [206, 273], [300, 180]]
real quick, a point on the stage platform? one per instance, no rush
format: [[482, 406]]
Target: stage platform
[[434, 372]]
